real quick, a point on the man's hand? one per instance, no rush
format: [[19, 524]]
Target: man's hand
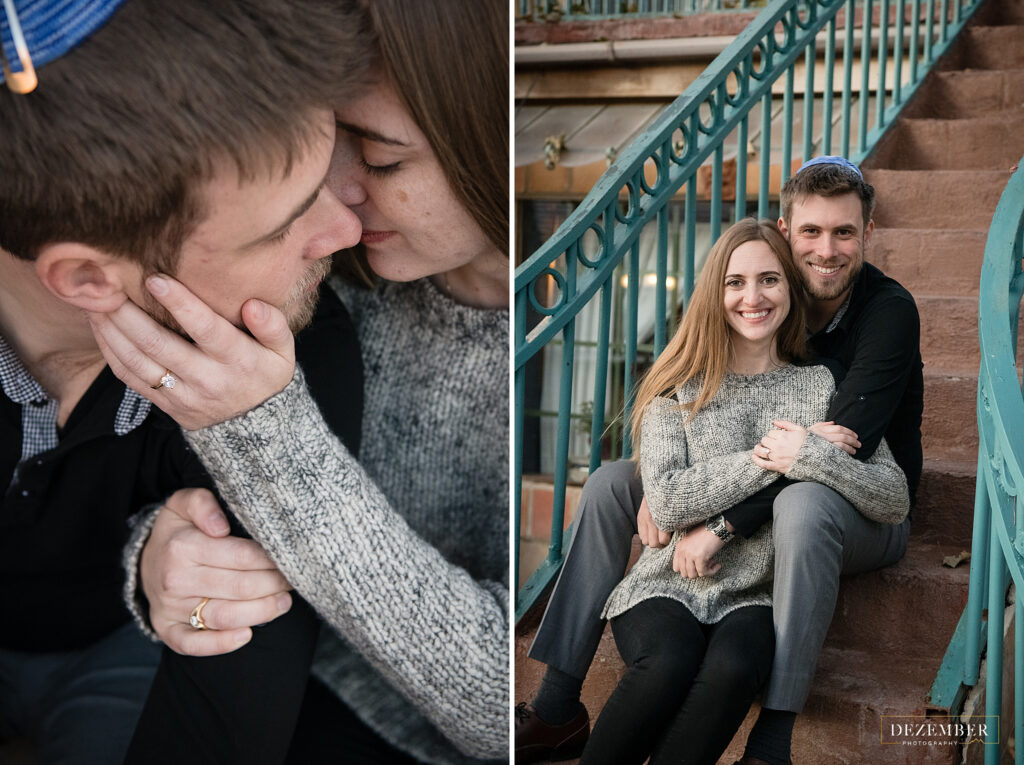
[[842, 437], [695, 552], [189, 557], [650, 535], [777, 450]]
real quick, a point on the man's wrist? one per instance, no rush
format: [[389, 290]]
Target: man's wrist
[[720, 527]]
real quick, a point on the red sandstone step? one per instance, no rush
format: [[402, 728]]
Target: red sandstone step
[[949, 428], [949, 333], [912, 606], [997, 13], [983, 143], [987, 47], [930, 262], [937, 199], [968, 94], [945, 502]]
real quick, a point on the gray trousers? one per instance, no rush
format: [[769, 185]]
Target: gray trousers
[[818, 536]]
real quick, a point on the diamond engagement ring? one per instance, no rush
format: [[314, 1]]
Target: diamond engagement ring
[[167, 381], [196, 617]]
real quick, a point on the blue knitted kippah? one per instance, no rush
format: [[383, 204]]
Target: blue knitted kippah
[[832, 160], [53, 27]]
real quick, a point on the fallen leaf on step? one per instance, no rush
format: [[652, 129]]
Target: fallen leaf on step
[[955, 560]]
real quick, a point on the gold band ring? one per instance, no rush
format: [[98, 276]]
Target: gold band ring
[[196, 617]]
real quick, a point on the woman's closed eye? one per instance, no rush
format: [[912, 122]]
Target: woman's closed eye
[[379, 171]]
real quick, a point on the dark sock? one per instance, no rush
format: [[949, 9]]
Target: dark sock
[[772, 736], [558, 699]]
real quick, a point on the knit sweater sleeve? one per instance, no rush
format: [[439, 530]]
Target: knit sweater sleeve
[[876, 487], [680, 494], [436, 634]]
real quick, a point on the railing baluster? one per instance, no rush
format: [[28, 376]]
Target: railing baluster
[[844, 140], [810, 62], [741, 169], [660, 286], [980, 560], [691, 237], [519, 417], [865, 78], [897, 66], [929, 36], [994, 676], [944, 21], [716, 193], [564, 412], [883, 57], [632, 311], [915, 43], [766, 155], [828, 94], [787, 126]]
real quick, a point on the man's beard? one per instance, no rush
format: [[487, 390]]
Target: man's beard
[[298, 308], [301, 304], [832, 291]]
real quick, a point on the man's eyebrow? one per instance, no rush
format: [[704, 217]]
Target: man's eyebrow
[[297, 213], [370, 135]]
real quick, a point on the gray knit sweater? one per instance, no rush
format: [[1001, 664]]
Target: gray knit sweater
[[694, 470], [404, 553]]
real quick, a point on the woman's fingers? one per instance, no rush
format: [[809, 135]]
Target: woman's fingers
[[126, 361], [181, 638], [235, 554], [141, 344], [228, 584], [212, 333], [226, 615], [270, 328]]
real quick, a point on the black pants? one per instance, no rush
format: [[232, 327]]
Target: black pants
[[329, 733], [687, 685]]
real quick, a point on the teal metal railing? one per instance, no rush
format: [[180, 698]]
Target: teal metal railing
[[590, 10], [849, 65], [998, 542]]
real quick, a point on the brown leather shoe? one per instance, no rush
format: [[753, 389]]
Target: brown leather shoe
[[537, 741]]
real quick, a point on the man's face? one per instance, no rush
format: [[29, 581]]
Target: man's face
[[827, 236], [267, 238]]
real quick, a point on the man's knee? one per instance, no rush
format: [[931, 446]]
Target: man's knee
[[609, 492], [808, 514]]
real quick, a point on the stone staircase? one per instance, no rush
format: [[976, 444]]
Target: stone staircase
[[938, 173]]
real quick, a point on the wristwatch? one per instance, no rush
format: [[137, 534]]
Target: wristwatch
[[717, 527]]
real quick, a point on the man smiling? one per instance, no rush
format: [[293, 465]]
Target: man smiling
[[865, 326]]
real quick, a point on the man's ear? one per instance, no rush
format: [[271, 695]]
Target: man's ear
[[83, 276], [783, 228], [868, 230]]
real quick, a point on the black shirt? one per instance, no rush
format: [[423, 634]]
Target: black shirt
[[877, 344]]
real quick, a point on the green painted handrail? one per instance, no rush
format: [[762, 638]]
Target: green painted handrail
[[728, 102], [998, 542]]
